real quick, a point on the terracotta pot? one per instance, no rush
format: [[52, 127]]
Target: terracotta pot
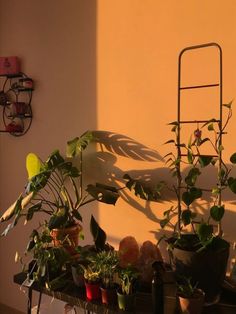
[[67, 237], [126, 302], [92, 291], [109, 296], [192, 305]]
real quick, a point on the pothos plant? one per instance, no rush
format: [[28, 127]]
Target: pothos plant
[[188, 189]]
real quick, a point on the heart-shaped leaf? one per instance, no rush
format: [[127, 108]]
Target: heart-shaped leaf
[[191, 195], [233, 158], [186, 217], [217, 212], [205, 160]]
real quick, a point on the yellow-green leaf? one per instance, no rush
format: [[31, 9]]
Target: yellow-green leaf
[[33, 165]]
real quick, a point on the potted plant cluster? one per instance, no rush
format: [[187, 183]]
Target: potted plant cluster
[[196, 246], [190, 298], [108, 262], [54, 188]]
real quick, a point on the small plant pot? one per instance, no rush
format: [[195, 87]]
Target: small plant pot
[[109, 296], [92, 291], [126, 302], [66, 237], [192, 305]]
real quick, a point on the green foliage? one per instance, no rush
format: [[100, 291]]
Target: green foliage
[[185, 288], [54, 187], [187, 188], [49, 263], [128, 277], [99, 235], [107, 261]]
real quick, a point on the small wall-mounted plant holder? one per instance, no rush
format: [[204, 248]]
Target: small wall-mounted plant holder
[[15, 97]]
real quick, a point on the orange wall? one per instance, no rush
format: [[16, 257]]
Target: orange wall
[[138, 43], [108, 65]]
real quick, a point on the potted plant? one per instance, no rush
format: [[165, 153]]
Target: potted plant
[[190, 298], [54, 188], [126, 293], [108, 262], [92, 280], [197, 246], [49, 264]]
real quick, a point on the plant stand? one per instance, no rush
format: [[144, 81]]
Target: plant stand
[[188, 156]]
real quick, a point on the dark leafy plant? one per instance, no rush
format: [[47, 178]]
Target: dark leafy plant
[[188, 190]]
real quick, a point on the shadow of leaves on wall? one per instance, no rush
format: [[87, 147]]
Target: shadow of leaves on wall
[[113, 145], [125, 146]]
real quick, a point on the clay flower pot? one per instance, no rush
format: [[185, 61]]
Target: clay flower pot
[[66, 237], [109, 296]]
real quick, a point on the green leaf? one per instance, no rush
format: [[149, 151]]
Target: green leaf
[[186, 217], [232, 184], [233, 158], [99, 235], [204, 231], [78, 144], [217, 212], [38, 182], [77, 215], [192, 176], [33, 165], [32, 210], [215, 191], [210, 127], [205, 160], [206, 139], [190, 156], [208, 122], [191, 195], [57, 221], [54, 160]]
